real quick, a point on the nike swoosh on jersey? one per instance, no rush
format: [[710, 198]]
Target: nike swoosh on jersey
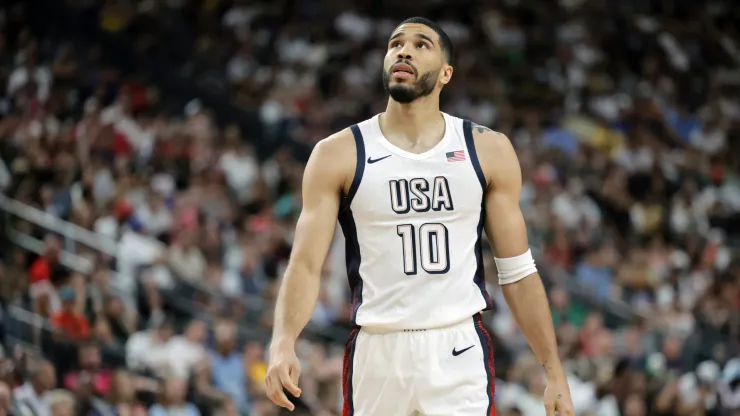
[[456, 352], [371, 160]]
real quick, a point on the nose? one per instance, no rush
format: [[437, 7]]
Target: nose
[[404, 56], [405, 52]]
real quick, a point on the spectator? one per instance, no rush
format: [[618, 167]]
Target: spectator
[[240, 168], [172, 400], [72, 324], [42, 289], [225, 368], [31, 397], [565, 311], [135, 250], [90, 362], [255, 364], [595, 274], [122, 322], [121, 397], [188, 349], [155, 217], [186, 258], [85, 400], [152, 349], [61, 403]]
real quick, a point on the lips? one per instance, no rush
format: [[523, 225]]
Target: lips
[[402, 68]]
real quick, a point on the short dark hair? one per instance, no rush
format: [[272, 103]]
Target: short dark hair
[[445, 43]]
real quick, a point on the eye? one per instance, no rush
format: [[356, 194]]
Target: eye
[[395, 44], [422, 45]]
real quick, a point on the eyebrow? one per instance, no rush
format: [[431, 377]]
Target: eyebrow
[[420, 35]]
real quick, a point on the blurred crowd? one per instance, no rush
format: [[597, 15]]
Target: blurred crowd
[[625, 120]]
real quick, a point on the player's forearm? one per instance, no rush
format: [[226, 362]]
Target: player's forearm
[[295, 304], [528, 303]]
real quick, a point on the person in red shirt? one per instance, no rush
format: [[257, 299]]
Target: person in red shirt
[[90, 362], [40, 271], [41, 275], [70, 323]]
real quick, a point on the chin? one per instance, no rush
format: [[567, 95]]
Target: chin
[[402, 94]]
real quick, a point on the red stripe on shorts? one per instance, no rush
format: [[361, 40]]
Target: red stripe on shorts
[[489, 363], [349, 354]]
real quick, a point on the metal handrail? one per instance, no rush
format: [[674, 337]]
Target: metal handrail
[[57, 225], [70, 260], [89, 238], [29, 318]]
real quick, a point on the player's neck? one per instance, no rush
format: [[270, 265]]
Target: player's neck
[[411, 119]]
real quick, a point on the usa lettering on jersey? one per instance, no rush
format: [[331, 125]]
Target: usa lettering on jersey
[[434, 249], [415, 195]]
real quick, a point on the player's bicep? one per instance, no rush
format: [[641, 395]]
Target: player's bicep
[[317, 221], [505, 225], [504, 222]]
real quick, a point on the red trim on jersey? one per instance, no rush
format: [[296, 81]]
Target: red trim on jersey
[[349, 353], [489, 361]]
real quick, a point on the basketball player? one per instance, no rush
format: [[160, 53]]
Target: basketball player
[[413, 188]]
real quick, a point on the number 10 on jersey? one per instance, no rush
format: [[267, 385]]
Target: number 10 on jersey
[[433, 248]]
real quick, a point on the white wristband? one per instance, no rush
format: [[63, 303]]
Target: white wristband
[[514, 269]]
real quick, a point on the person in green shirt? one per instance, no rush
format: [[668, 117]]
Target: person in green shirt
[[566, 311]]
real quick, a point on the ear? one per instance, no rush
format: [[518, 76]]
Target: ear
[[445, 74]]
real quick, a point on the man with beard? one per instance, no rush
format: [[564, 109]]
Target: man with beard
[[413, 188]]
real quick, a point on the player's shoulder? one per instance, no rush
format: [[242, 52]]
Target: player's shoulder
[[338, 149], [487, 140], [335, 156], [495, 151]]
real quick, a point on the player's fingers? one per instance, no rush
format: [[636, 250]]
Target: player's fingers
[[295, 375], [275, 392], [566, 411], [280, 399], [286, 380], [564, 408], [550, 409]]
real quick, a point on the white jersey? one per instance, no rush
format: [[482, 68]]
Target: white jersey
[[412, 224]]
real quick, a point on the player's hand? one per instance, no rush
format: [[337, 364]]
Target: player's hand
[[557, 398], [283, 373]]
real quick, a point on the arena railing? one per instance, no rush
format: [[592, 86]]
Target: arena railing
[[75, 236]]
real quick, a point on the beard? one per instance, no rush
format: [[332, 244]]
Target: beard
[[406, 94]]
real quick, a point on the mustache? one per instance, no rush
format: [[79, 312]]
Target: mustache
[[405, 62]]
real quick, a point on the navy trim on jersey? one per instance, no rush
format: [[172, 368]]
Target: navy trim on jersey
[[360, 169], [480, 276], [353, 260], [470, 143], [347, 222]]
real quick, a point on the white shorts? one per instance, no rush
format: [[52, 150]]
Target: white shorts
[[436, 372]]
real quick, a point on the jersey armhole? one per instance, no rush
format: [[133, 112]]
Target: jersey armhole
[[359, 169], [470, 144]]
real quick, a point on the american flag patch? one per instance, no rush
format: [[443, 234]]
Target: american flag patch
[[456, 156]]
